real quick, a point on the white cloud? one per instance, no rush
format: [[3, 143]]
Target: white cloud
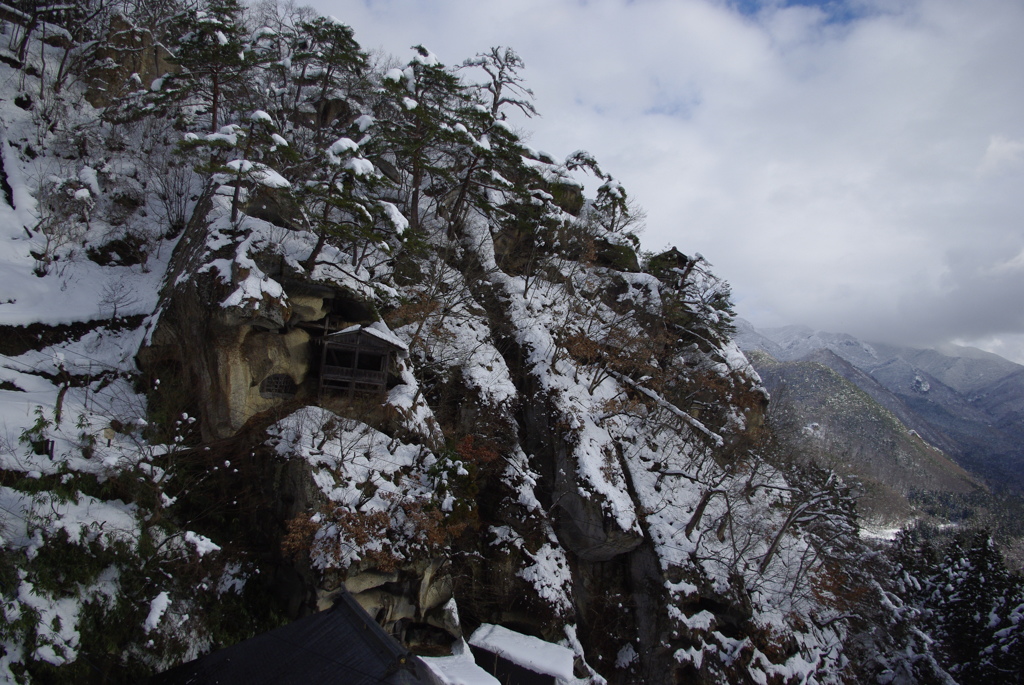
[[1014, 264], [830, 169], [1002, 153], [1008, 346]]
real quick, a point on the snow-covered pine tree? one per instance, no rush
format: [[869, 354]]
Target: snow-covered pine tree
[[420, 124], [210, 45], [975, 608]]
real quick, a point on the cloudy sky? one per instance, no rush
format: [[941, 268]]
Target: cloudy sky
[[852, 165]]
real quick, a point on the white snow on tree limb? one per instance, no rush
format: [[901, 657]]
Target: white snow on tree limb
[[396, 217], [259, 172], [203, 544], [360, 166], [157, 608]]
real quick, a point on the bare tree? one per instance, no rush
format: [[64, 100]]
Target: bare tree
[[117, 295]]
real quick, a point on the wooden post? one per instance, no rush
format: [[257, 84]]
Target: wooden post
[[323, 364]]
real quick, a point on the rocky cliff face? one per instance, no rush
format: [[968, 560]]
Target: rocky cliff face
[[532, 462]]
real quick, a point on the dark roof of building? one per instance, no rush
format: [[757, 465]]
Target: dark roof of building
[[339, 646]]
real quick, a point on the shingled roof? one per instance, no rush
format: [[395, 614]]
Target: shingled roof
[[339, 646]]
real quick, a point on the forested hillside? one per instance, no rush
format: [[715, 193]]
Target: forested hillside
[[281, 319]]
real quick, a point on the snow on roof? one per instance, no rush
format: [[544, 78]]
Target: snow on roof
[[525, 650], [376, 329], [460, 668], [339, 645], [380, 330]]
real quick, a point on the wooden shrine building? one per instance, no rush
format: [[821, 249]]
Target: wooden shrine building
[[358, 359]]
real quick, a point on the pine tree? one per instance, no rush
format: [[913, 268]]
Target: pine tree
[[328, 69], [340, 203], [494, 155], [975, 610], [420, 124], [215, 61]]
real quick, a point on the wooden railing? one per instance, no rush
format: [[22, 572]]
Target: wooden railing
[[346, 374]]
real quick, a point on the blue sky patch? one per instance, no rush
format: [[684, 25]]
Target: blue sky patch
[[837, 11]]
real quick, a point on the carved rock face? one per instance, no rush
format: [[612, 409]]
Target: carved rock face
[[414, 601]]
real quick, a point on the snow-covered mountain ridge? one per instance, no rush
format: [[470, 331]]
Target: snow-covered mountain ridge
[[282, 323], [839, 414], [965, 369], [968, 402]]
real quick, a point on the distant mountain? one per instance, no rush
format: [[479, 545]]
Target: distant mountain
[[829, 408], [965, 369], [791, 343], [962, 400]]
